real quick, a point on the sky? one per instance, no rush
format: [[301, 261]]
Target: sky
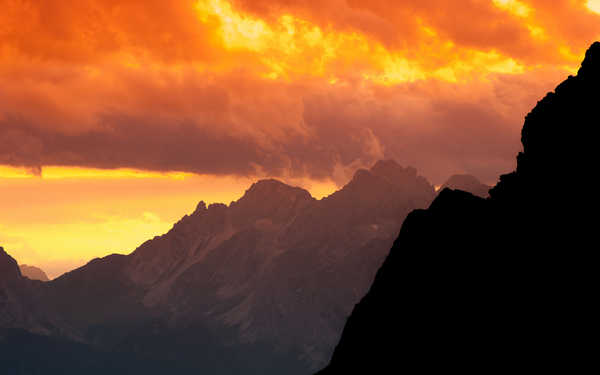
[[118, 117]]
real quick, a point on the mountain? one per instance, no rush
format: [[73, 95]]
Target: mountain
[[498, 284], [263, 285], [14, 293], [468, 183], [33, 273], [18, 305]]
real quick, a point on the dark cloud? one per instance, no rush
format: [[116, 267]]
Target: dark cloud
[[146, 84], [245, 126]]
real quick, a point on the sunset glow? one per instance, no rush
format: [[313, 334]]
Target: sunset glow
[[594, 5], [116, 118], [57, 173]]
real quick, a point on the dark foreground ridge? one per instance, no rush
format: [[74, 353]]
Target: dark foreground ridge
[[498, 284]]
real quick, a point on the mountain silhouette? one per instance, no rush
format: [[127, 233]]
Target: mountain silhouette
[[468, 183], [263, 285], [33, 273], [501, 284]]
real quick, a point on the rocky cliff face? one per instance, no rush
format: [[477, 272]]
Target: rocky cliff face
[[260, 286], [493, 285]]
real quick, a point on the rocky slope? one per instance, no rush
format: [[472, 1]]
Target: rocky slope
[[260, 286], [499, 284]]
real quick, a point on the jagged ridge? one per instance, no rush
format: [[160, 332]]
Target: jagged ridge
[[260, 286], [493, 285]]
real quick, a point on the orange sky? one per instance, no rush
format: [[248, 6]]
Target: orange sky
[[117, 117]]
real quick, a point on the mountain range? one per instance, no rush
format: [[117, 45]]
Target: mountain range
[[504, 284], [263, 285]]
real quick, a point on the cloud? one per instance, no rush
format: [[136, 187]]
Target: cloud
[[528, 30], [279, 88], [88, 30], [255, 127]]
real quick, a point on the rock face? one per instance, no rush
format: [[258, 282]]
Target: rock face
[[33, 273], [263, 285], [493, 285], [468, 183]]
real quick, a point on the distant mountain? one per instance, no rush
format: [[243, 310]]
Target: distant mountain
[[33, 273], [262, 286], [468, 183], [486, 286]]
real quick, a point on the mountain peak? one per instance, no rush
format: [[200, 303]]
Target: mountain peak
[[361, 174], [468, 183], [273, 189], [387, 181], [390, 169], [270, 199], [393, 173], [201, 207], [561, 120]]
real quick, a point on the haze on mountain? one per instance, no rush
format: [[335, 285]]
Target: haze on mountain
[[263, 285], [33, 273], [503, 284]]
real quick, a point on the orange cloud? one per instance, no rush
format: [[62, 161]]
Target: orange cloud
[[527, 30], [281, 88]]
